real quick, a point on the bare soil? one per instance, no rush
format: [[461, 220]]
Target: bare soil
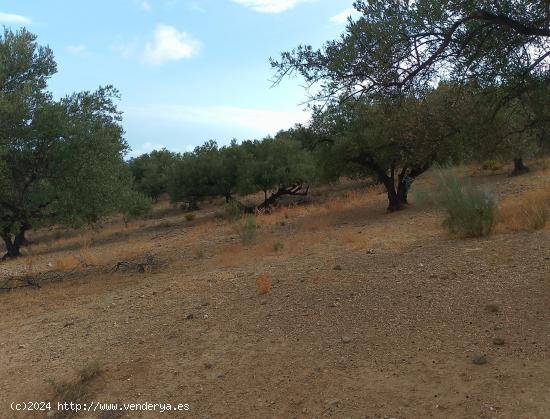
[[369, 315]]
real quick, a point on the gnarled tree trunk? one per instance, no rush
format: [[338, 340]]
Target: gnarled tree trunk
[[519, 167], [271, 201], [398, 189], [13, 242]]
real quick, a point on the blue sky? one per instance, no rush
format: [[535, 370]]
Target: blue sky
[[188, 70]]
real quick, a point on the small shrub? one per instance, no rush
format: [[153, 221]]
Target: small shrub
[[198, 253], [264, 285], [491, 165], [277, 247], [233, 211], [471, 211], [189, 217], [248, 230], [75, 391], [165, 224]]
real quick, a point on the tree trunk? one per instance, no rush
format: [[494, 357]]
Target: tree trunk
[[397, 194], [519, 167], [13, 245], [397, 198]]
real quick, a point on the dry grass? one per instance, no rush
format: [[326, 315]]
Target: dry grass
[[525, 212], [263, 285], [352, 239], [75, 391], [66, 263]]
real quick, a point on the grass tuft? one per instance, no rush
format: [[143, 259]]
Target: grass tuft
[[526, 212], [248, 230]]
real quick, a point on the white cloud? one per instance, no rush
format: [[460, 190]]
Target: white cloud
[[342, 17], [146, 6], [258, 120], [269, 6], [169, 45], [80, 50], [16, 19], [125, 50]]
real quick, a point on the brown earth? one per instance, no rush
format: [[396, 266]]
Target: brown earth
[[366, 315]]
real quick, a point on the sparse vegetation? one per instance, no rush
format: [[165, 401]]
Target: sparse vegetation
[[233, 211], [278, 246], [74, 391], [247, 230], [528, 211], [470, 210]]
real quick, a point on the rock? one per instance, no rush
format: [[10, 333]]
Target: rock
[[370, 252], [190, 316], [69, 323], [220, 375], [492, 308], [479, 360], [499, 341], [337, 268], [263, 302], [208, 365], [346, 339], [21, 346]]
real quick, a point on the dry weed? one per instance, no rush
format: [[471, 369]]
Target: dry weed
[[264, 285], [528, 211], [74, 391], [66, 263]]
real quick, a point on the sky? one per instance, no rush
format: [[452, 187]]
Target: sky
[[188, 70]]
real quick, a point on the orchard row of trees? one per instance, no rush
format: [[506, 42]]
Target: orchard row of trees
[[276, 166], [393, 141]]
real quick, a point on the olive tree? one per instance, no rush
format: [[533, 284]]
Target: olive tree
[[152, 172], [60, 161]]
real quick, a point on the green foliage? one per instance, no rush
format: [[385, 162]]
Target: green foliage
[[402, 47], [471, 211], [207, 172], [60, 161], [152, 172], [233, 211], [133, 205], [274, 164], [396, 51], [268, 165], [248, 230]]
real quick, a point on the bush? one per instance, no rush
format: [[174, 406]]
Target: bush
[[190, 216], [248, 230], [277, 247], [471, 211], [233, 211]]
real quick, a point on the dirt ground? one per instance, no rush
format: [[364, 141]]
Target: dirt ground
[[358, 314]]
